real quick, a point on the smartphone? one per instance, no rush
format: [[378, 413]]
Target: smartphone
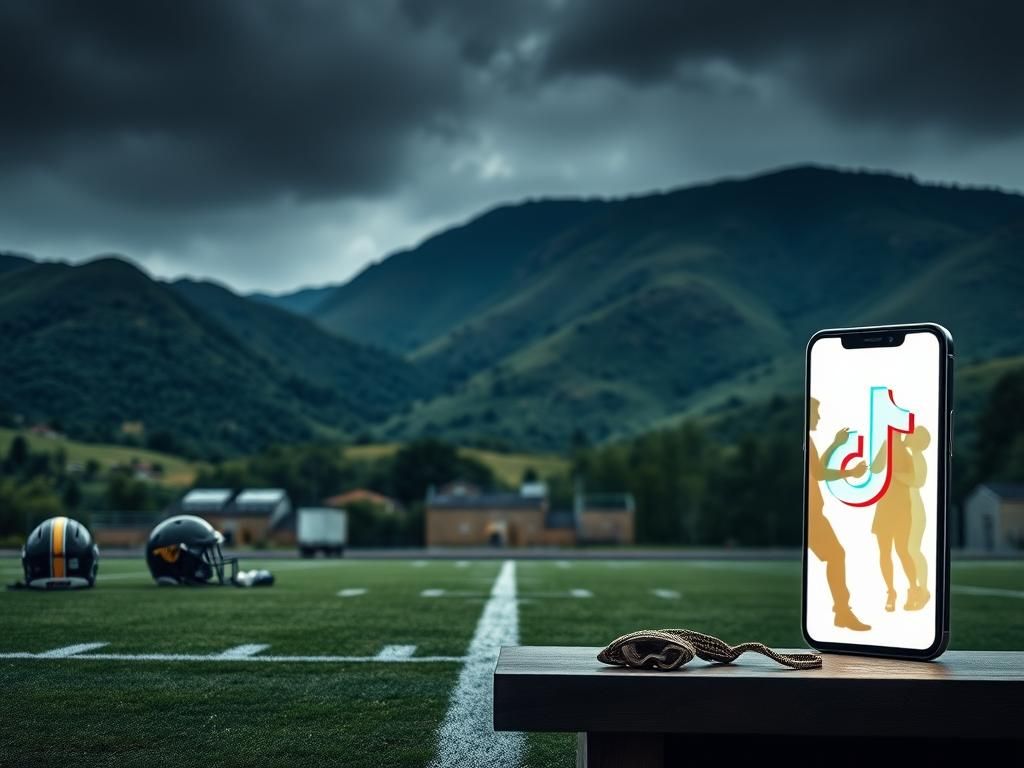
[[877, 451]]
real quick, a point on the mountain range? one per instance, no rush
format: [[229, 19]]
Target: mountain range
[[532, 322]]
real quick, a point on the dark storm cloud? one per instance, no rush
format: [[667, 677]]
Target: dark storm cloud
[[955, 66], [180, 103], [271, 143]]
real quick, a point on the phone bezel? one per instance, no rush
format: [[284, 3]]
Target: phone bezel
[[941, 598]]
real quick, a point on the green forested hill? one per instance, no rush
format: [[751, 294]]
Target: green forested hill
[[372, 382], [637, 309], [12, 261], [97, 346]]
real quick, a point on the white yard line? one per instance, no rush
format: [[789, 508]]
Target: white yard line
[[352, 592], [563, 564], [418, 563], [581, 593], [462, 564], [432, 593], [987, 591], [467, 735]]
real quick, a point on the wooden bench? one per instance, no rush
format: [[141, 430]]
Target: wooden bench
[[855, 710]]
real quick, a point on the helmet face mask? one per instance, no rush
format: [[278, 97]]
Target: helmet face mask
[[187, 550], [60, 554]]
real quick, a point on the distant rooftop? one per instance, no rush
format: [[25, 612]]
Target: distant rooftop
[[485, 501], [608, 501], [206, 498], [1007, 491], [260, 497]]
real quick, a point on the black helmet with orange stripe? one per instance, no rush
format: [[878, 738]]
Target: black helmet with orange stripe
[[60, 554], [185, 549]]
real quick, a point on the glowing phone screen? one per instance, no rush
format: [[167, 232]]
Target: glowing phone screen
[[872, 497]]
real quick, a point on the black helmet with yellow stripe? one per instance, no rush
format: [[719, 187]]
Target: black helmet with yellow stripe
[[60, 554], [185, 549]]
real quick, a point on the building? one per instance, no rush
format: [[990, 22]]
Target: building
[[462, 515], [203, 502], [606, 518], [994, 518], [256, 515], [497, 519]]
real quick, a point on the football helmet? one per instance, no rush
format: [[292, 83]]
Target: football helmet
[[185, 549], [60, 554]]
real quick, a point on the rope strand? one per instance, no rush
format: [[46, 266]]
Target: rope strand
[[669, 649]]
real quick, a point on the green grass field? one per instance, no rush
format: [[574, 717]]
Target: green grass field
[[129, 712]]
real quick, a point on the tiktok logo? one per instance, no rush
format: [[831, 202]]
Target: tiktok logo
[[885, 418]]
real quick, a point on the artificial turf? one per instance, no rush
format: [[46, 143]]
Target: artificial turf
[[185, 713]]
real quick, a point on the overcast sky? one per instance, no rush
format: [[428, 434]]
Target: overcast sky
[[276, 144]]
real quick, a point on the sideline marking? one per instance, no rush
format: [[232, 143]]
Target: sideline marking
[[581, 593], [565, 564], [70, 650], [988, 591], [396, 652], [665, 594], [242, 651], [238, 654], [352, 592], [462, 564], [418, 563], [467, 735]]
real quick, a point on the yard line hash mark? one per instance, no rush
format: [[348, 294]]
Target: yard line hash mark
[[352, 592], [70, 650], [665, 594], [242, 651], [396, 652], [467, 735], [581, 593]]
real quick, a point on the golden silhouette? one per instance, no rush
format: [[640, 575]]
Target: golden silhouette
[[916, 443], [821, 538], [900, 518]]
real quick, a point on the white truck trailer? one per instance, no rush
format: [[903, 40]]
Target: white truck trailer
[[322, 529]]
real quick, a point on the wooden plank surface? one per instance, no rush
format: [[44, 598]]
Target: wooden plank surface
[[962, 694]]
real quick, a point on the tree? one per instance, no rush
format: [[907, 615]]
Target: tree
[[430, 462], [125, 494], [17, 453], [72, 496]]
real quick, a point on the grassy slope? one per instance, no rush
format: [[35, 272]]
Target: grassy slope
[[177, 471], [135, 713]]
